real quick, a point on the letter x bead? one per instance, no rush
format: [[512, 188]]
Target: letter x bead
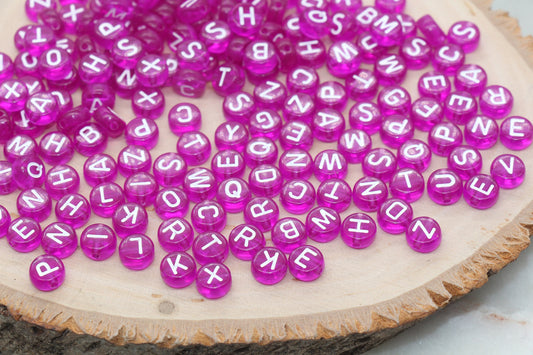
[[358, 230], [423, 235], [151, 71], [213, 280], [98, 241], [142, 132], [13, 95], [59, 239], [508, 171], [148, 102], [136, 251], [306, 263], [178, 269], [269, 266], [24, 234], [47, 273], [481, 191], [444, 187]]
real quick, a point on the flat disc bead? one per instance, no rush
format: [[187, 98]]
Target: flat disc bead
[[434, 84], [306, 263], [444, 137], [358, 230], [184, 117], [5, 221], [208, 216], [481, 191], [148, 102], [41, 108], [260, 150], [444, 187], [61, 180], [448, 58], [481, 132], [228, 79], [343, 58], [369, 193], [390, 69], [335, 194], [459, 107], [178, 269], [19, 146], [414, 154], [238, 106], [265, 123], [330, 164], [56, 148], [365, 17], [141, 188], [7, 184], [394, 216], [126, 52], [296, 134], [13, 95], [136, 252], [99, 168], [426, 112], [394, 100], [327, 124], [496, 101], [24, 234], [98, 242], [245, 241], [265, 180], [261, 212], [199, 184], [28, 172], [296, 163], [465, 34], [227, 164], [297, 196], [407, 184], [105, 198], [133, 159], [130, 218], [288, 234], [270, 94], [210, 247], [368, 47], [516, 133], [396, 130], [380, 163], [365, 116], [59, 239], [362, 85], [311, 52], [34, 203], [231, 135], [323, 224], [471, 78], [354, 145], [269, 266], [416, 52], [465, 161], [90, 139], [47, 273], [423, 235], [171, 202], [73, 209], [387, 30], [169, 169], [233, 194], [213, 280], [175, 234], [143, 132]]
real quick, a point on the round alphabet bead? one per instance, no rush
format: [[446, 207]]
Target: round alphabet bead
[[358, 230], [516, 133], [98, 94], [327, 124], [148, 102], [331, 94], [47, 273], [265, 123], [365, 17], [465, 161], [61, 180], [302, 79], [296, 134], [56, 148], [343, 59], [460, 107], [444, 137], [34, 203], [98, 241], [362, 85], [24, 234], [169, 169], [270, 94], [260, 57], [210, 247], [299, 106], [25, 64], [136, 252], [431, 30], [416, 52], [390, 69], [380, 163], [481, 191], [238, 106], [496, 101], [414, 154], [314, 22], [133, 159], [306, 263], [175, 234], [323, 224], [213, 280], [231, 135], [105, 198], [227, 163], [38, 39], [59, 239], [365, 116], [130, 218], [151, 70], [368, 47], [296, 163], [28, 172], [508, 171], [126, 52], [208, 216], [95, 68], [330, 164], [394, 100], [5, 221], [189, 83], [13, 95], [171, 202], [407, 184], [200, 184], [99, 168], [390, 6], [426, 112], [481, 132], [369, 193], [335, 194], [142, 132], [386, 30], [394, 216], [444, 187], [228, 78], [141, 188], [269, 266], [178, 269], [245, 241], [354, 145], [233, 194], [297, 196], [448, 58], [73, 209], [260, 150], [471, 78], [261, 212], [423, 235], [184, 117], [90, 139], [434, 84], [265, 180], [19, 146], [396, 130], [465, 34], [41, 108], [7, 184], [310, 52], [288, 234], [193, 55]]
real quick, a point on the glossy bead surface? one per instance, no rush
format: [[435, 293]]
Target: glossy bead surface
[[233, 194], [55, 64], [407, 184], [213, 280], [136, 251], [126, 52], [142, 132], [59, 239], [465, 34], [396, 130], [335, 194], [208, 216], [28, 172], [24, 234], [380, 163], [56, 148], [394, 100], [113, 125], [210, 247], [99, 168], [231, 135], [390, 69], [481, 191], [265, 123], [90, 139], [354, 145], [245, 241], [105, 198], [199, 184], [261, 212], [423, 235], [343, 59], [171, 202], [368, 47], [508, 171], [444, 137], [47, 273], [460, 107], [448, 58], [34, 203], [365, 116], [5, 221], [175, 234], [297, 196], [465, 161], [331, 94], [386, 30], [73, 209], [358, 230], [394, 216], [270, 94], [238, 106], [130, 218], [434, 84], [330, 164], [444, 187], [516, 133], [302, 79], [323, 224], [169, 169], [296, 134], [61, 180], [431, 30], [288, 234], [471, 78], [133, 159], [496, 101], [184, 117], [265, 180], [148, 102], [306, 263], [178, 269], [362, 85], [7, 184], [481, 132], [13, 95], [269, 266], [369, 193], [414, 154], [98, 241], [416, 52], [260, 150], [426, 112], [311, 52], [327, 124], [95, 68], [299, 106], [194, 147], [141, 188]]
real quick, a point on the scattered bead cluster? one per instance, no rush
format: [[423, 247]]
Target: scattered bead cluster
[[118, 46]]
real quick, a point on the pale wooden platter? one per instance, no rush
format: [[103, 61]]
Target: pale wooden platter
[[367, 291]]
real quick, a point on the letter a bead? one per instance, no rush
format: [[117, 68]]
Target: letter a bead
[[136, 251], [508, 171], [481, 191], [178, 269], [47, 273], [269, 266], [306, 263], [423, 235], [245, 241], [99, 168], [213, 280]]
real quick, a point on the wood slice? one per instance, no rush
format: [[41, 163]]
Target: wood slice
[[363, 295]]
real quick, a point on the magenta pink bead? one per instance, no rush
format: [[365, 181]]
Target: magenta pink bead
[[213, 280], [208, 216], [299, 106], [28, 172], [369, 193], [481, 191], [471, 78], [98, 242], [288, 234], [297, 196], [233, 195], [26, 64], [269, 266], [130, 218], [335, 194], [508, 171], [423, 235], [38, 39], [99, 168], [460, 107], [34, 203], [435, 85], [210, 247], [55, 64], [227, 164], [416, 52], [5, 221], [296, 134], [125, 83], [394, 100], [13, 95], [113, 125], [354, 145], [296, 163], [465, 161], [200, 184], [331, 94], [175, 234], [192, 54], [390, 69], [444, 137], [516, 133], [136, 251], [95, 68], [496, 101], [238, 106], [368, 47], [61, 180], [260, 57], [260, 150], [365, 116], [6, 66], [365, 17], [151, 70], [105, 198], [265, 123], [7, 183], [148, 102], [328, 124], [171, 202], [59, 239], [414, 154], [90, 139], [380, 163], [386, 30], [265, 180], [394, 216], [390, 6], [343, 59], [216, 35], [47, 273], [141, 188], [481, 132], [314, 22], [323, 224], [126, 52], [396, 130], [310, 52], [362, 85], [69, 121], [33, 84], [6, 127], [24, 234], [178, 269], [231, 135], [184, 117], [306, 263], [261, 212], [444, 187], [142, 132], [133, 159], [270, 94], [465, 34], [330, 164], [426, 112], [431, 30], [448, 58], [407, 184], [169, 169], [302, 79], [244, 20], [245, 241], [358, 230], [107, 30], [73, 209], [56, 148], [228, 78]]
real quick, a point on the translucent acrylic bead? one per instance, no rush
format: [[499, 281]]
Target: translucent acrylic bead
[[5, 221], [126, 52], [99, 168], [73, 209], [396, 130], [299, 106], [435, 85], [231, 135], [431, 30], [7, 183], [193, 55], [238, 106], [296, 134], [481, 132], [41, 109], [107, 30], [151, 70], [141, 188], [323, 224], [216, 35], [175, 234], [465, 34], [297, 196], [47, 273], [171, 202], [380, 163], [261, 212], [335, 194], [233, 195], [330, 164], [331, 94], [133, 159], [269, 94], [24, 234], [306, 263], [26, 64], [369, 193], [114, 125], [386, 30], [288, 234], [90, 139], [213, 280], [516, 133], [55, 64], [200, 184], [98, 242], [471, 78], [59, 239], [310, 52], [414, 154], [444, 187], [416, 52], [61, 180], [244, 20], [13, 95], [365, 17], [148, 102], [287, 54], [136, 251], [423, 235], [358, 230], [178, 269], [260, 150], [343, 59], [184, 117], [38, 39], [95, 68], [426, 112], [390, 6], [260, 57], [465, 161], [34, 203], [314, 23], [169, 169], [481, 191], [302, 79], [210, 247], [194, 147], [265, 180], [296, 163], [125, 83], [227, 164], [327, 124], [365, 116], [354, 144], [56, 148], [6, 127], [394, 216], [368, 47], [130, 218], [407, 184], [390, 69], [142, 132], [208, 216], [508, 171], [105, 198], [460, 107], [245, 241], [444, 137], [28, 172], [265, 123], [394, 100], [269, 266], [496, 101], [448, 59], [69, 121]]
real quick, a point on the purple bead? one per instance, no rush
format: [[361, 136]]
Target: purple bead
[[125, 83], [141, 188], [26, 64], [365, 17], [416, 52], [107, 30], [431, 30], [260, 57], [228, 78], [208, 216], [414, 154], [149, 102], [69, 121], [459, 107], [171, 202], [231, 135], [368, 47], [13, 95], [136, 251], [126, 52], [354, 145], [59, 239], [38, 39], [369, 193], [516, 133], [481, 191], [394, 100], [408, 25], [306, 263], [331, 94], [302, 79], [390, 6], [261, 212], [133, 159], [330, 164], [465, 34], [288, 234], [314, 22], [184, 117], [311, 53], [444, 187], [423, 235], [496, 101], [296, 134], [335, 194], [73, 209], [426, 112], [19, 146], [448, 59], [98, 241], [238, 106], [233, 195], [380, 163], [99, 168], [365, 116], [269, 94], [394, 216], [227, 163], [244, 20], [508, 171], [471, 78], [260, 150], [90, 139], [386, 30], [200, 184], [178, 269], [210, 247], [288, 55], [24, 234], [407, 184], [213, 280], [362, 85], [299, 106], [296, 163], [7, 184], [113, 125], [265, 123], [323, 224], [151, 70], [142, 132], [105, 198], [465, 161], [269, 266], [33, 84], [444, 137], [396, 130], [343, 59], [192, 54], [216, 35], [481, 132], [5, 221], [130, 218], [358, 230], [345, 5], [56, 148], [435, 85], [245, 241], [47, 273], [28, 172], [175, 234], [6, 127], [265, 180], [55, 64], [297, 196], [328, 124], [34, 203], [61, 180], [169, 169], [41, 109], [390, 69], [95, 68]]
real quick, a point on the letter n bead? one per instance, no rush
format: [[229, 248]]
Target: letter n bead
[[306, 263], [423, 235], [59, 239], [47, 273], [34, 203], [269, 266]]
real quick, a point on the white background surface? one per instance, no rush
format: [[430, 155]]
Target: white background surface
[[496, 319]]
